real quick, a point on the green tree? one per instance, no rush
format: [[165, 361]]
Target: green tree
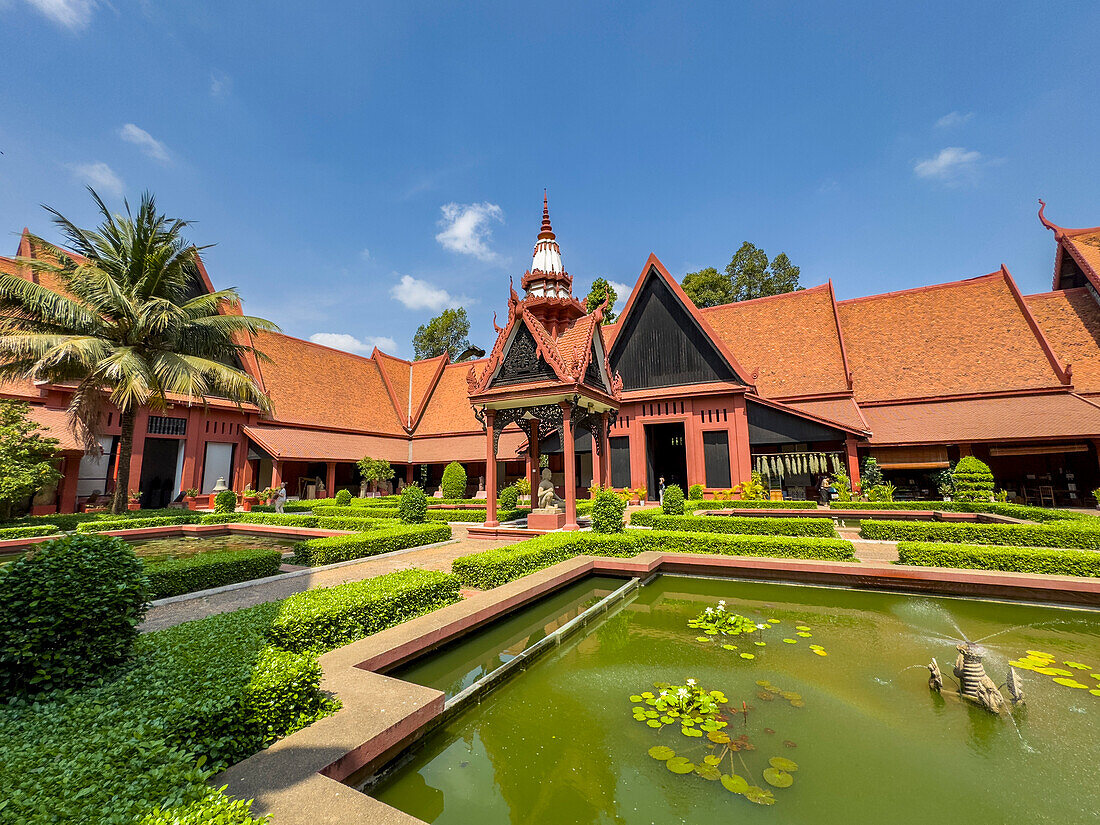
[[446, 332], [26, 457], [126, 326], [708, 287], [602, 289], [751, 276], [373, 470]]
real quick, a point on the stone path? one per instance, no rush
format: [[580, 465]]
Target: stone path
[[429, 558]]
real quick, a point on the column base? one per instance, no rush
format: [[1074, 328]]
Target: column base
[[570, 527], [543, 520], [491, 523]]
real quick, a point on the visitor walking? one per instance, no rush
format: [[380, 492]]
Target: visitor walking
[[280, 498], [825, 491], [661, 490]]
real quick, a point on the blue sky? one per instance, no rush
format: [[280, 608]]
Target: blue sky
[[359, 166]]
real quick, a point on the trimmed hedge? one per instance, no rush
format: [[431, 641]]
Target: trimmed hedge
[[193, 699], [330, 617], [756, 505], [28, 532], [1013, 559], [746, 525], [317, 552], [1005, 535], [101, 526], [492, 568], [284, 519], [472, 515], [646, 518], [1021, 511], [68, 522], [175, 577]]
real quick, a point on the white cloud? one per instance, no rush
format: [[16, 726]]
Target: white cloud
[[417, 294], [466, 228], [74, 15], [621, 292], [365, 254], [349, 343], [145, 142], [952, 119], [99, 176], [220, 84], [949, 166]]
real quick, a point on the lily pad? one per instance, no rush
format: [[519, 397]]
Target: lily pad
[[791, 641], [774, 621], [1047, 671], [759, 795], [802, 627], [1077, 666], [691, 732], [777, 778], [718, 737], [821, 653], [680, 764], [653, 723], [783, 763], [1020, 664], [734, 783], [1095, 691], [708, 772], [1073, 683], [635, 698], [729, 647], [760, 644], [747, 656], [804, 634], [702, 638], [662, 752], [763, 682], [711, 759], [764, 696], [817, 647], [1040, 654]]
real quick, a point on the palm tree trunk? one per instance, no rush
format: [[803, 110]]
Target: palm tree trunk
[[122, 477]]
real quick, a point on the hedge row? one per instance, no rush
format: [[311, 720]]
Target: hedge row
[[350, 522], [746, 525], [1014, 559], [194, 699], [492, 568], [432, 515], [317, 552], [175, 577], [1021, 511], [68, 522], [1007, 535], [104, 525], [28, 532], [328, 618], [736, 504]]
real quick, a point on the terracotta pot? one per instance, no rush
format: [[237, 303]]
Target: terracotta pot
[[248, 502], [192, 502], [134, 505]]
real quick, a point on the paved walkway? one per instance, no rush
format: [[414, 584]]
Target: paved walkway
[[429, 558]]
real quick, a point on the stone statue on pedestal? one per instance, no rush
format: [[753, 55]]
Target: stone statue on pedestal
[[548, 499]]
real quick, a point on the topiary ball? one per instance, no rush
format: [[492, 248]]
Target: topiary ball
[[672, 503], [413, 507], [225, 502], [508, 498], [343, 498], [607, 512], [69, 611], [695, 492], [454, 481]]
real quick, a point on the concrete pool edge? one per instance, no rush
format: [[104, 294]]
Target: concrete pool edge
[[300, 778]]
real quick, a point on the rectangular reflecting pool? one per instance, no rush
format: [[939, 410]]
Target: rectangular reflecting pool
[[836, 725], [176, 547]]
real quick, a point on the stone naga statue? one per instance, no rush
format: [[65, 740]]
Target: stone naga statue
[[974, 683], [547, 497]]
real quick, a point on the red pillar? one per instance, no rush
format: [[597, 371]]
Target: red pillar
[[330, 478], [740, 458], [605, 455], [66, 497], [490, 472], [276, 474], [637, 450], [141, 424], [193, 450], [534, 470], [570, 469], [408, 473], [853, 461]]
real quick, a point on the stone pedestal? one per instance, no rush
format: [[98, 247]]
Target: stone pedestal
[[549, 518]]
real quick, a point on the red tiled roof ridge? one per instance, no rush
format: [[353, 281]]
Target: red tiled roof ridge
[[1057, 293], [806, 291], [1063, 231], [1053, 389], [927, 288], [1063, 371]]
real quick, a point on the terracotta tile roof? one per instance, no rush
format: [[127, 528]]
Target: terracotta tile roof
[[19, 389], [466, 447], [1053, 415], [1071, 321], [316, 385], [841, 410], [397, 373], [448, 409], [1085, 247], [964, 337], [320, 445], [791, 340], [55, 424]]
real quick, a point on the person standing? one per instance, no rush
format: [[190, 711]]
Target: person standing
[[661, 490], [280, 498], [825, 491]]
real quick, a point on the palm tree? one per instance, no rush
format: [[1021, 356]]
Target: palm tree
[[125, 326]]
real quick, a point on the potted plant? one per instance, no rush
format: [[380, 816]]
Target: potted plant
[[639, 495], [249, 498], [1096, 495], [135, 501], [191, 497]]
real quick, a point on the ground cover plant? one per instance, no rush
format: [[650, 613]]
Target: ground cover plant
[[140, 745], [1013, 559], [1073, 535], [491, 568]]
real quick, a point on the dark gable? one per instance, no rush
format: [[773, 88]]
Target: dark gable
[[522, 362]]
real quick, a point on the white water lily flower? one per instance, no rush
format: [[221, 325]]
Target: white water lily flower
[[682, 692], [721, 603], [691, 682]]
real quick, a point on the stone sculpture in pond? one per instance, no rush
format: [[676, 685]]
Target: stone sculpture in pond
[[974, 683]]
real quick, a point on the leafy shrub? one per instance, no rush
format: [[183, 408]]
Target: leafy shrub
[[695, 492], [672, 502], [523, 485], [225, 502], [69, 610], [104, 525], [333, 616], [1007, 535], [343, 498], [454, 481], [1020, 511], [843, 486], [744, 525], [972, 480], [607, 512], [508, 498], [175, 577], [880, 492], [751, 490], [644, 518], [1014, 559], [871, 475], [285, 519], [317, 552], [413, 508], [28, 532], [492, 568]]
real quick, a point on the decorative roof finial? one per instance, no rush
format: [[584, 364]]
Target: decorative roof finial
[[547, 231]]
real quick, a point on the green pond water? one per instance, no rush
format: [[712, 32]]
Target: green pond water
[[559, 743]]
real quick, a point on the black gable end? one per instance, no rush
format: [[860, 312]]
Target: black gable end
[[593, 375], [522, 363], [767, 425], [661, 345]]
